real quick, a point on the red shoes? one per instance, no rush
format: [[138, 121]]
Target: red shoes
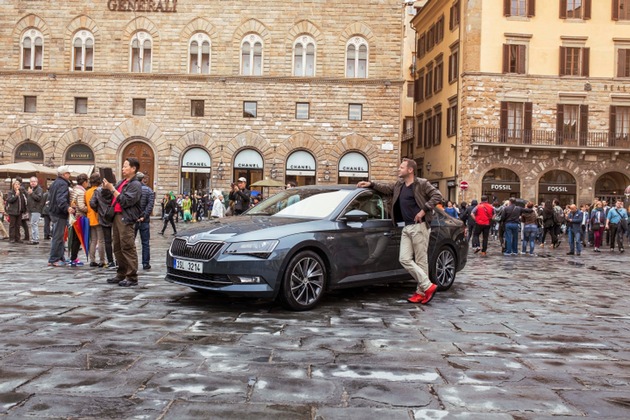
[[423, 298], [416, 298]]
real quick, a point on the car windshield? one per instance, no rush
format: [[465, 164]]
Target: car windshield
[[303, 203]]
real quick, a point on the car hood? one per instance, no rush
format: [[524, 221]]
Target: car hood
[[250, 228]]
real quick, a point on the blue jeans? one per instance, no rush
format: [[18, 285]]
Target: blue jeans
[[57, 247], [529, 236], [145, 235], [575, 240], [511, 238]]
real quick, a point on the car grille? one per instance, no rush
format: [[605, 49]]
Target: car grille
[[198, 251], [198, 279]]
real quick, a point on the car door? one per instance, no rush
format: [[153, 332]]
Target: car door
[[366, 249]]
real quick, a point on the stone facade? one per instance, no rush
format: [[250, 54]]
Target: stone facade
[[168, 128]]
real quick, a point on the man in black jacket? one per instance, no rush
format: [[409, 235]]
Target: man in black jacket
[[240, 195], [127, 195], [59, 210], [147, 202]]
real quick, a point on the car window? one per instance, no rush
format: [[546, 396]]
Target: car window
[[306, 203], [370, 203]]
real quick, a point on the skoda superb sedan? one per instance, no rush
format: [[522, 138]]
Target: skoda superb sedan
[[302, 242]]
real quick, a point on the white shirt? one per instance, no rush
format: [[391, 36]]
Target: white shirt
[[218, 209]]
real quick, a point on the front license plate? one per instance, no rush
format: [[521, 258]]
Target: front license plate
[[185, 265]]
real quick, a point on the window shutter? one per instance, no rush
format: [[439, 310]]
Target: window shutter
[[587, 9], [612, 125], [506, 58], [507, 6], [563, 59], [583, 124], [563, 9], [615, 9], [528, 122], [503, 121], [531, 8], [585, 61], [521, 59], [559, 123], [621, 62], [450, 19]]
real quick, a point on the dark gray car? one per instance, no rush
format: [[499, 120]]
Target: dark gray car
[[299, 243]]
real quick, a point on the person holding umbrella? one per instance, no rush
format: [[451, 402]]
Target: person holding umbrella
[[79, 230]]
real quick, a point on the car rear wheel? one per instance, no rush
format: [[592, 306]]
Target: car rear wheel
[[304, 281], [444, 268]]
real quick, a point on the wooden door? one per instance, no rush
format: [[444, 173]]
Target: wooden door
[[144, 154]]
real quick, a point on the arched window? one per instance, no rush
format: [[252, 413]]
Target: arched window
[[356, 57], [83, 51], [199, 54], [304, 56], [251, 55], [32, 50], [141, 46]]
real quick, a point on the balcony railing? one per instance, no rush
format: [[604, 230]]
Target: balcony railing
[[407, 134], [551, 138]]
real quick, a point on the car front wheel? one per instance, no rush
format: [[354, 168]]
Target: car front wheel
[[444, 268], [304, 281]]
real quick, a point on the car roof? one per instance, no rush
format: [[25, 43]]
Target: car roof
[[329, 187]]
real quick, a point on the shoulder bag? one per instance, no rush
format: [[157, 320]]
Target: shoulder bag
[[623, 223], [108, 217]]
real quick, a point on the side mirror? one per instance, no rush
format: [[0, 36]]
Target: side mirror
[[355, 216]]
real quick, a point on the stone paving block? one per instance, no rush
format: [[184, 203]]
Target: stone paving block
[[337, 413], [512, 399], [609, 404], [12, 377], [232, 352], [425, 414], [101, 383], [296, 391], [9, 400], [208, 386], [161, 364], [93, 407], [318, 356], [45, 358], [388, 394], [200, 410], [378, 373]]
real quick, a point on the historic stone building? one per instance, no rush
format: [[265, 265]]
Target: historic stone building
[[204, 92], [542, 95]]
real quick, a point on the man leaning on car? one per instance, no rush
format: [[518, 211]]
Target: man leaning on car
[[413, 202]]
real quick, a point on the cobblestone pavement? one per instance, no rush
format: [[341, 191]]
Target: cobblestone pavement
[[515, 338]]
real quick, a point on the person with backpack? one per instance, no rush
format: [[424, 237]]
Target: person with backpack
[[558, 220], [482, 215], [617, 224]]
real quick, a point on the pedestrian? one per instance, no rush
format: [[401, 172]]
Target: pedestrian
[[240, 195], [127, 195], [186, 208], [511, 219], [16, 209], [170, 210], [60, 209], [598, 222], [46, 216], [451, 210], [147, 202], [77, 200], [469, 222], [548, 225], [5, 234], [529, 218], [97, 240], [218, 208], [482, 215], [412, 204], [575, 218], [100, 202], [617, 224], [35, 205]]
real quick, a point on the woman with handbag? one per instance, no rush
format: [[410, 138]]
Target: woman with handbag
[[16, 208], [598, 220], [5, 234], [170, 209]]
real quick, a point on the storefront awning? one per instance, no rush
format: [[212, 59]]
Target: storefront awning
[[301, 163], [196, 160], [353, 165]]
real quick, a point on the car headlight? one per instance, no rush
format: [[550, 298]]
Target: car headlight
[[260, 249]]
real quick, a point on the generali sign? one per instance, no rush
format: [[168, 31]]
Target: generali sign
[[166, 6]]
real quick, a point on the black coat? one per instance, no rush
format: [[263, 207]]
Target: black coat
[[129, 199], [59, 198], [16, 204], [100, 201]]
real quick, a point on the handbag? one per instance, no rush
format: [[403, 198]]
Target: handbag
[[26, 216], [623, 223], [108, 217]]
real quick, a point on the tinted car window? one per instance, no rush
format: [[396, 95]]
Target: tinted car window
[[370, 203], [306, 203]]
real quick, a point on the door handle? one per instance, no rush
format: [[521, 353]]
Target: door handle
[[388, 234]]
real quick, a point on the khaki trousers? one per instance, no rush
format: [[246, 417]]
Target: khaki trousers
[[97, 238], [414, 243], [124, 249]]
